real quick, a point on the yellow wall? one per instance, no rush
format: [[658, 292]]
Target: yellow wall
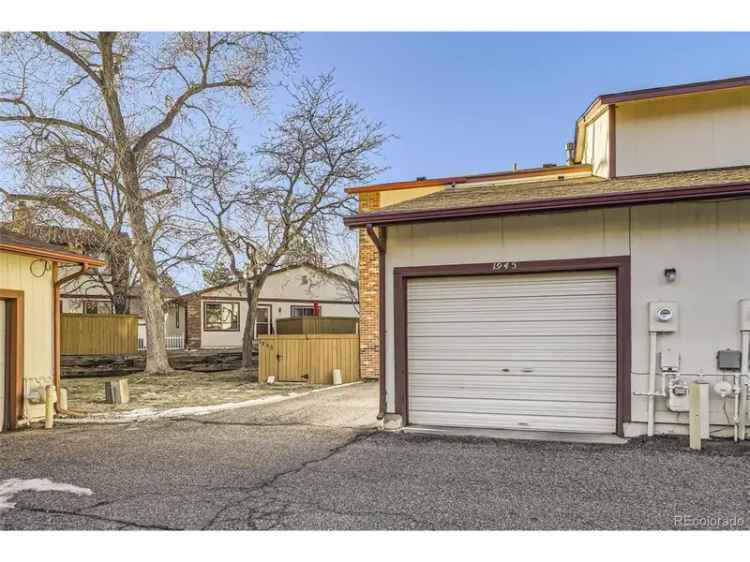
[[596, 149], [398, 195], [16, 274], [689, 132]]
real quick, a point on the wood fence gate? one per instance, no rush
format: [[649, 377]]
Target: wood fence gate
[[309, 358]]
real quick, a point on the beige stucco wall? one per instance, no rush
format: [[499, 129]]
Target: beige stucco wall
[[596, 147], [689, 132], [707, 242], [16, 274]]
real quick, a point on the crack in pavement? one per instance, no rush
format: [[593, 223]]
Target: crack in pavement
[[271, 481], [122, 522]]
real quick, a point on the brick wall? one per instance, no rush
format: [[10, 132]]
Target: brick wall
[[369, 303], [193, 323]]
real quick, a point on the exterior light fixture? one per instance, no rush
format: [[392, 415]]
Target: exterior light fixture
[[670, 274]]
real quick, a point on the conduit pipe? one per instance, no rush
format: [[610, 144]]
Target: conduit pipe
[[651, 381], [744, 371]]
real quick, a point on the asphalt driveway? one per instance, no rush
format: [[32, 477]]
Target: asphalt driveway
[[315, 462]]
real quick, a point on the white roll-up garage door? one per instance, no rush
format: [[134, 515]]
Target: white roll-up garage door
[[519, 351]]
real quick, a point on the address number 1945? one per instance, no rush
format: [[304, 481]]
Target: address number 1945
[[504, 266]]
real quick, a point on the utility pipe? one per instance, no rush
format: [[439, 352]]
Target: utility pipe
[[49, 406], [736, 391], [651, 381], [744, 371]]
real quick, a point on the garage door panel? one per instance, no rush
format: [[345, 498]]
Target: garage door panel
[[519, 387], [538, 423], [514, 328], [529, 351], [501, 349], [512, 286], [513, 407], [521, 309], [477, 367]]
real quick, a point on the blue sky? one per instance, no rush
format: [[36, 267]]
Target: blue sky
[[476, 102]]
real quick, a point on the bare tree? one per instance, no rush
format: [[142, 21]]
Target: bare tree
[[285, 205], [128, 95]]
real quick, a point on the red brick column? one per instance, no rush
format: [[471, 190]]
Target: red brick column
[[193, 323]]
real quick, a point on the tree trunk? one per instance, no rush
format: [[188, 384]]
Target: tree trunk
[[252, 292], [157, 360], [117, 262]]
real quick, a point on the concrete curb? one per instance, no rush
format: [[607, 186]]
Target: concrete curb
[[146, 414]]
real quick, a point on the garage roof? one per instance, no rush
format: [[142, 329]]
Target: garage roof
[[562, 194], [12, 242]]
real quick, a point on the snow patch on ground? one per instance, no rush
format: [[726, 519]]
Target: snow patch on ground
[[13, 486]]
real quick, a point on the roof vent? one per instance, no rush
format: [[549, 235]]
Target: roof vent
[[549, 165], [421, 178]]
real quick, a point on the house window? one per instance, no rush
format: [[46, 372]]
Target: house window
[[221, 316], [97, 307], [263, 321], [303, 310]]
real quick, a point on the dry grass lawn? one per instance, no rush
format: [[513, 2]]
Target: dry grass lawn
[[183, 388]]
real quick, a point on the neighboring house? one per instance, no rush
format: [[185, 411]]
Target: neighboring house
[[556, 298], [29, 323], [215, 317]]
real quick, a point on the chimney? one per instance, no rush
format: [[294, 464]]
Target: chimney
[[21, 218], [570, 152]]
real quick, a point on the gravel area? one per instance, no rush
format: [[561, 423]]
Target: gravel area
[[182, 388], [316, 462]]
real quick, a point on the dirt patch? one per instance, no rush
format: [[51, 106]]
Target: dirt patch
[[182, 388]]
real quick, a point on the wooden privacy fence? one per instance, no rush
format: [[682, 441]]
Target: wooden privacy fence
[[316, 325], [309, 358], [98, 334]]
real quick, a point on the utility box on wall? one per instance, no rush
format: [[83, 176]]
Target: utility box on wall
[[663, 316]]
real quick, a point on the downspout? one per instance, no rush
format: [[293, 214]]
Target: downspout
[[56, 351], [380, 244]]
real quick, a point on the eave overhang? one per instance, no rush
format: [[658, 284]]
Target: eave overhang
[[52, 255], [620, 199]]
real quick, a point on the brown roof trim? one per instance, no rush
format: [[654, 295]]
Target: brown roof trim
[[54, 255], [676, 90], [644, 197], [527, 173]]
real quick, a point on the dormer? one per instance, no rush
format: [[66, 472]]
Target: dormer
[[696, 126]]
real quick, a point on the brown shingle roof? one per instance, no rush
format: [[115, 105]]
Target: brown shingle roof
[[563, 193], [12, 242]]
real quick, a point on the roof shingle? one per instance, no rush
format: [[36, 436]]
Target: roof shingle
[[549, 190]]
